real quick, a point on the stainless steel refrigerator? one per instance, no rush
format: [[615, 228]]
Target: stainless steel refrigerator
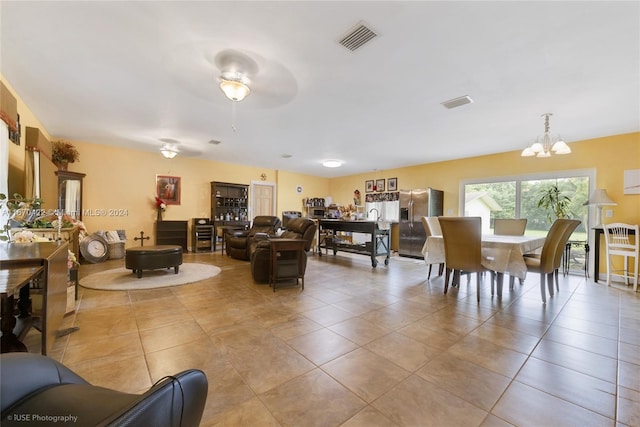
[[414, 204]]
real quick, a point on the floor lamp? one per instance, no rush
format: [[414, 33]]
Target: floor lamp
[[599, 198]]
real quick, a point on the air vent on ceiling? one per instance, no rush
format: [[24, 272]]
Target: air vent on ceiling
[[357, 37], [457, 102]]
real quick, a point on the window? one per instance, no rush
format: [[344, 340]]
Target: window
[[517, 197]]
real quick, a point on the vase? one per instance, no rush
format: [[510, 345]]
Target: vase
[[159, 219], [62, 166]]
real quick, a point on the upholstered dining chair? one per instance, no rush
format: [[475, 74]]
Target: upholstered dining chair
[[509, 226], [618, 244], [434, 225], [549, 260], [427, 230], [463, 249]]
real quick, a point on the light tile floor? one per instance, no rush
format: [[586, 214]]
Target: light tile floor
[[369, 347]]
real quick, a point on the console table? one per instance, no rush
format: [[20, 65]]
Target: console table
[[20, 264]]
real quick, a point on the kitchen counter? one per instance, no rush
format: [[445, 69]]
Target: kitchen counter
[[329, 237]]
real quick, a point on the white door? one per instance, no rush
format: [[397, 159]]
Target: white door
[[263, 198]]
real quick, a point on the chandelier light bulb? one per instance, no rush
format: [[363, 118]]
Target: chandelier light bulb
[[546, 144]]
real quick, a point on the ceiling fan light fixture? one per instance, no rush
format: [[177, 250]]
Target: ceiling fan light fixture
[[332, 163], [235, 90], [168, 153]]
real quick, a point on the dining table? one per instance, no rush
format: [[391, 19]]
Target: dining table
[[500, 253]]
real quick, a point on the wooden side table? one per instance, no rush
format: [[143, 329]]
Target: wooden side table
[[286, 268]]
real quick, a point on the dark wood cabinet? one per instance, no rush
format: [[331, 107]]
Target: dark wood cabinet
[[202, 237], [172, 233], [229, 202], [229, 208]]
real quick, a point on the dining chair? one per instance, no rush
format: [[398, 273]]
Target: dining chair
[[463, 249], [427, 230], [434, 225], [509, 226], [618, 244], [554, 244], [562, 249]]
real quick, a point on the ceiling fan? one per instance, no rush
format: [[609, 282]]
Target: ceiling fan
[[201, 66]]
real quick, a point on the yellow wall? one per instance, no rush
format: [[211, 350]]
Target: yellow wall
[[121, 181], [609, 156]]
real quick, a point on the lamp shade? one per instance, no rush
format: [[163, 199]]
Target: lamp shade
[[600, 197]]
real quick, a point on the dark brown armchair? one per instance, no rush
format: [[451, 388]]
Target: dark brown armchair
[[241, 244], [297, 228], [34, 385]]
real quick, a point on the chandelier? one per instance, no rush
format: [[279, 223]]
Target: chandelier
[[544, 145]]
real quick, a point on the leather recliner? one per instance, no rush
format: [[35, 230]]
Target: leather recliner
[[297, 228], [241, 244], [36, 389]]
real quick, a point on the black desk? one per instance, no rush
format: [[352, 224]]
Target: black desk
[[48, 262], [598, 232]]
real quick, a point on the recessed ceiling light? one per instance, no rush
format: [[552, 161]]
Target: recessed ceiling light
[[332, 163], [214, 142], [286, 156]]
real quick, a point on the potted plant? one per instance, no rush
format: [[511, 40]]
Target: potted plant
[[63, 153], [556, 204]]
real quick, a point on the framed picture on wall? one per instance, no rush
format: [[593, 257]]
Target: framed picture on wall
[[392, 184], [380, 185], [168, 189], [368, 186]]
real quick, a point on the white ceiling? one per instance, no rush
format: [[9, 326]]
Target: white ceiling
[[133, 73]]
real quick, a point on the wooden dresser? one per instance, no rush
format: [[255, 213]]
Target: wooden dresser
[[172, 233]]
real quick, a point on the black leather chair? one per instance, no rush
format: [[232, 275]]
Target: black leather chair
[[297, 228], [241, 244], [37, 386]]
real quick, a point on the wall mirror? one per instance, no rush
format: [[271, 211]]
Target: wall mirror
[[70, 193]]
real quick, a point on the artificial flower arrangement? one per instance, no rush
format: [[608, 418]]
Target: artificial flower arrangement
[[160, 204], [63, 152], [26, 236], [72, 261]]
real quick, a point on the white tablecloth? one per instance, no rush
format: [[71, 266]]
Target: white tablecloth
[[502, 254]]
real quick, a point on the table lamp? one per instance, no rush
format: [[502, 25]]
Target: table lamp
[[599, 198]]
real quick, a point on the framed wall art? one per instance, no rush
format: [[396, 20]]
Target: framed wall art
[[368, 186], [168, 189], [380, 185], [392, 184]]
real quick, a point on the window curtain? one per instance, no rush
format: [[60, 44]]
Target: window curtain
[[4, 160], [4, 173], [32, 174], [71, 199]]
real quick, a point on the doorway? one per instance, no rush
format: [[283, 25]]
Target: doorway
[[263, 198]]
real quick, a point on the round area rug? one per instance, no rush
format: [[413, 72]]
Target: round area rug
[[122, 279]]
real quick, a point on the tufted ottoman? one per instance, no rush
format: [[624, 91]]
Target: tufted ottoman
[[153, 258]]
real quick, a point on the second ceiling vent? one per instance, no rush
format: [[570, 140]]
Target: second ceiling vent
[[357, 37]]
